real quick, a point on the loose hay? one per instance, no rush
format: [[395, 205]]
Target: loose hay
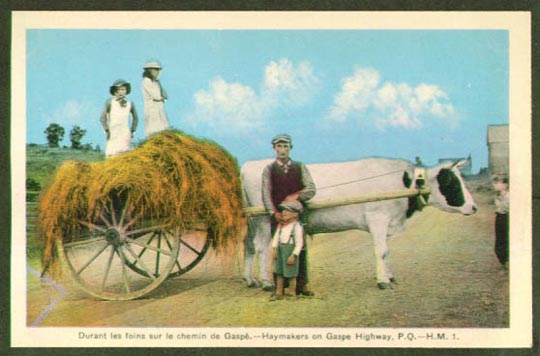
[[172, 178]]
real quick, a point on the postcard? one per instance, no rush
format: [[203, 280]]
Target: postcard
[[271, 179]]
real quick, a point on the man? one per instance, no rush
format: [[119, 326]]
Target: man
[[284, 180]]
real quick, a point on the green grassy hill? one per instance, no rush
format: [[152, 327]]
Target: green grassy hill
[[42, 162]]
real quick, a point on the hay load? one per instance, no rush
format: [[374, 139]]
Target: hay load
[[172, 179]]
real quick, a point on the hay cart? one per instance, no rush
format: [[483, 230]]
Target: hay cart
[[123, 226], [122, 257]]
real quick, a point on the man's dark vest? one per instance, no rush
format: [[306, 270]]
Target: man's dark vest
[[283, 183]]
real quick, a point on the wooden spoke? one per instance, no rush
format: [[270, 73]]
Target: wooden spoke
[[85, 242], [108, 268], [143, 265], [158, 254], [149, 241], [128, 208], [146, 229], [190, 247], [133, 220], [177, 261], [189, 257], [113, 213], [104, 219], [92, 226], [92, 259], [135, 242], [124, 270]]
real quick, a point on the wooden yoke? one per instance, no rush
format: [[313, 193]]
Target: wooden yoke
[[331, 203]]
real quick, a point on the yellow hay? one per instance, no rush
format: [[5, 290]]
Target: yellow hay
[[172, 178]]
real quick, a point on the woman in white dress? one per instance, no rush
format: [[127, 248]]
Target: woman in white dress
[[115, 119], [154, 96]]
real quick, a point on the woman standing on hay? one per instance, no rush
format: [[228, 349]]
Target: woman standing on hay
[[155, 119], [115, 119]]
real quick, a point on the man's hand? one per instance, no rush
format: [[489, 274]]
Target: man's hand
[[290, 260], [293, 196], [279, 217]]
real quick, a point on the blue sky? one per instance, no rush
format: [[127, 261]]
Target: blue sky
[[342, 95]]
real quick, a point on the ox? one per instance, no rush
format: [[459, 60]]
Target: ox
[[383, 219]]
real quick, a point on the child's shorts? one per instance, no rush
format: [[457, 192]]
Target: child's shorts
[[280, 264]]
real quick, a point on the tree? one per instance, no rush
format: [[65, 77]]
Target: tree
[[75, 135], [55, 134], [32, 184]]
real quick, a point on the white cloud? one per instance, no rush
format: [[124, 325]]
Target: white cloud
[[225, 105], [357, 93], [284, 81], [73, 112], [235, 106], [363, 96]]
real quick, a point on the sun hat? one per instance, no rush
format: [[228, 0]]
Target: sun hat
[[292, 205], [152, 65], [118, 84], [282, 138]]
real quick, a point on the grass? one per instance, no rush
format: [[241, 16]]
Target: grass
[[42, 163]]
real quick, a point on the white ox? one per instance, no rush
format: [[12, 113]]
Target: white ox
[[383, 219]]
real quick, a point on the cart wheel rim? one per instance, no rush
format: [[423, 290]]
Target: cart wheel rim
[[100, 257], [190, 255]]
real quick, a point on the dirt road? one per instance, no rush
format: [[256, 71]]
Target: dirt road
[[447, 276]]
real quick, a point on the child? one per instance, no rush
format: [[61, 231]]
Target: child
[[502, 210], [115, 119], [154, 96], [287, 244]]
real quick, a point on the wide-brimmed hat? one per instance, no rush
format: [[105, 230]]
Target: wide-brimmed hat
[[286, 138], [292, 205], [118, 84], [152, 65]]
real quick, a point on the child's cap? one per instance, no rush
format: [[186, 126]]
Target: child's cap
[[152, 65], [292, 205], [118, 84], [282, 138]]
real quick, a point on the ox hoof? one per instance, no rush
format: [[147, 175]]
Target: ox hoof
[[384, 285], [393, 280], [268, 288]]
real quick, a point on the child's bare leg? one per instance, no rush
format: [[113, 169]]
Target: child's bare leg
[[292, 285], [279, 285]]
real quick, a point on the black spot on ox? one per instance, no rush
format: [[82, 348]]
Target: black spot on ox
[[450, 187], [415, 202]]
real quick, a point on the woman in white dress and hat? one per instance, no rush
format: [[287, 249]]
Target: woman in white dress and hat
[[115, 119], [155, 119]]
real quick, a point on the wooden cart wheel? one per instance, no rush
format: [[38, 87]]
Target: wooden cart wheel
[[193, 247], [101, 255]]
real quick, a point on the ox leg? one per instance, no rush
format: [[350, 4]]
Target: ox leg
[[258, 245], [249, 259], [379, 228], [265, 270], [250, 252]]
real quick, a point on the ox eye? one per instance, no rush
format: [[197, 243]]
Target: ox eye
[[450, 187]]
